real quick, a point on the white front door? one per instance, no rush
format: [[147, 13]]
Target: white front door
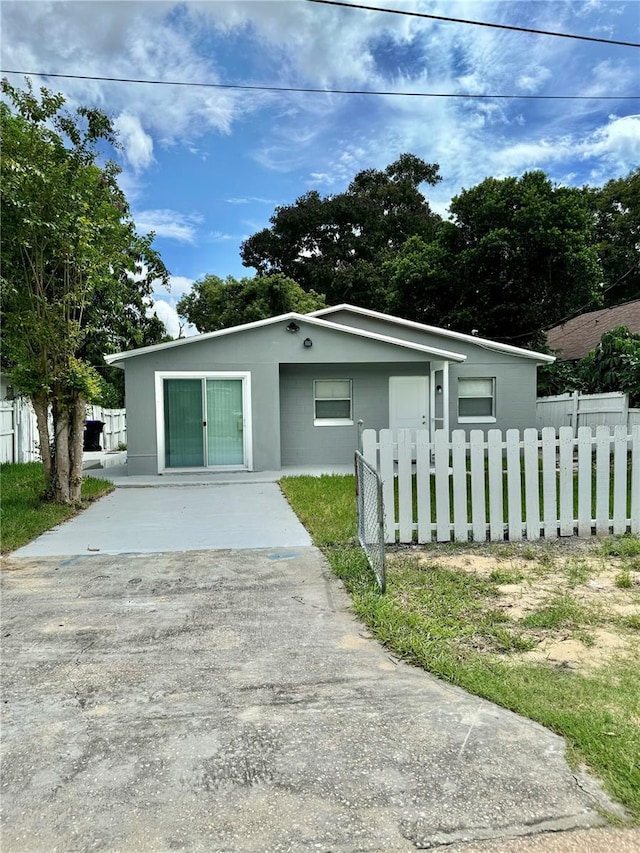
[[408, 402]]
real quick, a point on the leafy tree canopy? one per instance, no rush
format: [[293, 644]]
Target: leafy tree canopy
[[337, 245], [214, 303], [517, 256], [76, 277], [616, 207]]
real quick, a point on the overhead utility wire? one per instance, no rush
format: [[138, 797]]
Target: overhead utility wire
[[324, 91], [474, 23]]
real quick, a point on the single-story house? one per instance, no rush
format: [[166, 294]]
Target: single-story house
[[575, 338], [290, 390]]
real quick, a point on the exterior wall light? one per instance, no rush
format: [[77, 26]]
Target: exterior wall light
[[307, 343], [293, 327]]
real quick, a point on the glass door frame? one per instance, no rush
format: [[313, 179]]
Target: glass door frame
[[245, 376]]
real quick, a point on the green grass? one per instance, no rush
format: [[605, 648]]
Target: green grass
[[24, 515], [447, 622]]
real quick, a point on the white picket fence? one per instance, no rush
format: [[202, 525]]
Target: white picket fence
[[592, 410], [512, 487], [19, 440]]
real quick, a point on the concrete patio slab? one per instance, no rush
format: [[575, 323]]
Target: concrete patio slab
[[227, 702], [190, 518]]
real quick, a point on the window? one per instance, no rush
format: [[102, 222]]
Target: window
[[332, 402], [477, 400]]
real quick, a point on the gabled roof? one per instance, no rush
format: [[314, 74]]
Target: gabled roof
[[577, 337], [436, 330], [446, 355]]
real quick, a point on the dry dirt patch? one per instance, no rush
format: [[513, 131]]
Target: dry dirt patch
[[602, 614]]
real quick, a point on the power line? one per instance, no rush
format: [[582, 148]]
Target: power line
[[309, 90], [474, 23]]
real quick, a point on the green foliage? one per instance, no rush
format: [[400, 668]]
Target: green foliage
[[214, 303], [338, 245], [616, 207], [517, 256], [614, 365]]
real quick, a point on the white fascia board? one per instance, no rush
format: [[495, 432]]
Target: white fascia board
[[117, 358], [539, 357]]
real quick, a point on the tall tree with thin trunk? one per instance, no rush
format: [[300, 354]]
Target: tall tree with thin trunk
[[68, 244]]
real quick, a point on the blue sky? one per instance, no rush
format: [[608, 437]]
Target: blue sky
[[205, 168]]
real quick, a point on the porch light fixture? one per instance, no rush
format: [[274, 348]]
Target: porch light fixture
[[293, 327], [438, 389], [307, 343]]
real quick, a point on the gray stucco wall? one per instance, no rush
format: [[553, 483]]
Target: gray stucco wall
[[302, 442], [261, 351], [515, 376]]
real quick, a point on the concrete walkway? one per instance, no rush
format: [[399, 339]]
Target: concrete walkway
[[227, 701]]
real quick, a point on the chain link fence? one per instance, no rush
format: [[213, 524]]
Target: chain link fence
[[370, 516]]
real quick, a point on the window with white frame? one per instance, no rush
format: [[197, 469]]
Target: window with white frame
[[332, 402], [476, 399]]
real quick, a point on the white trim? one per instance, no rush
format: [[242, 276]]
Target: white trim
[[116, 358], [332, 422], [436, 330], [247, 420], [480, 419]]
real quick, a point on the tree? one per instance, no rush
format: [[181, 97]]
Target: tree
[[616, 207], [70, 259], [614, 365], [516, 258], [214, 304], [338, 245]]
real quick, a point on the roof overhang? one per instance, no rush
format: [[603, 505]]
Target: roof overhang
[[538, 357], [117, 359]]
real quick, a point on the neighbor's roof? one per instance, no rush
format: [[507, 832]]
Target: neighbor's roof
[[436, 330], [118, 357], [577, 337]]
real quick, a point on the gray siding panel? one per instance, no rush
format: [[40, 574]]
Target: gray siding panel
[[306, 444]]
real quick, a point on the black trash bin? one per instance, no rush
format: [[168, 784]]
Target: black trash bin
[[92, 433]]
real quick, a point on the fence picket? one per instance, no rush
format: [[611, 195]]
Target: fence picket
[[478, 492], [532, 483], [459, 463], [496, 502], [514, 486], [405, 485], [549, 490], [635, 479], [441, 455], [565, 452], [423, 485], [388, 491], [585, 453], [619, 479], [370, 447], [603, 478]]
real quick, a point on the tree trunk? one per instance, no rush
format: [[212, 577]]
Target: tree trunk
[[76, 435], [41, 408], [60, 492]]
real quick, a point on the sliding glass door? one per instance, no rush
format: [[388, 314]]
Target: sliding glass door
[[204, 422]]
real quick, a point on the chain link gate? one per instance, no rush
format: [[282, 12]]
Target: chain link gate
[[370, 517]]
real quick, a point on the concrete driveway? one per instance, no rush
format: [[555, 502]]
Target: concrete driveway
[[177, 518], [227, 701]]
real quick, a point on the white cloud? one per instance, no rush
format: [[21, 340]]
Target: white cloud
[[178, 285], [168, 223], [138, 145]]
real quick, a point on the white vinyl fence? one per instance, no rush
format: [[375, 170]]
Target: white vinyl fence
[[507, 487], [592, 410], [19, 440]]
